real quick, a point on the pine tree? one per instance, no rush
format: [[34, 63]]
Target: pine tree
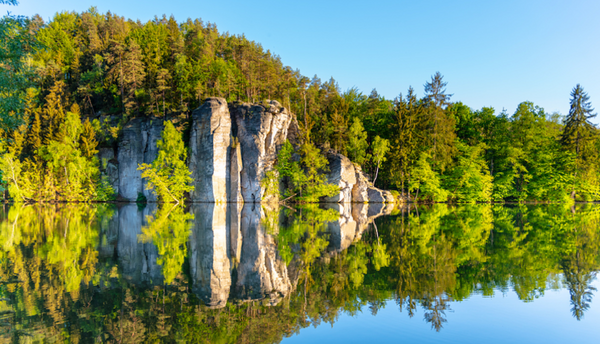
[[134, 74], [441, 125]]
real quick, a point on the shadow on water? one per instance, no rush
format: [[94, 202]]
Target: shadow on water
[[254, 273]]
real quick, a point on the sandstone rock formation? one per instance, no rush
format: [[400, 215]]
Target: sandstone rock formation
[[209, 157], [231, 149], [260, 130], [360, 190]]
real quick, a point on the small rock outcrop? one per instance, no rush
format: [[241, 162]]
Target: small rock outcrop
[[341, 173], [209, 151], [360, 190], [379, 196]]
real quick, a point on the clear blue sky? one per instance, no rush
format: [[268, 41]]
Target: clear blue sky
[[491, 53]]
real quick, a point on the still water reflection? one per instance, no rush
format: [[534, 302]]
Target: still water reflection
[[255, 274]]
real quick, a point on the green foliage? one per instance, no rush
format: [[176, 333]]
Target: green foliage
[[357, 143], [168, 175], [65, 172], [17, 69], [305, 177], [426, 181], [380, 148], [470, 180]]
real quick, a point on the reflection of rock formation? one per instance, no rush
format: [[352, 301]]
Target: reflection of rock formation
[[232, 250], [137, 145], [343, 231], [209, 254], [109, 235], [353, 221], [136, 259], [261, 272]]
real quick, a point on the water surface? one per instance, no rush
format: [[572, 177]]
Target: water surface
[[254, 274]]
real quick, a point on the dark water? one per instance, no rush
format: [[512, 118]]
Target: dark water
[[254, 274]]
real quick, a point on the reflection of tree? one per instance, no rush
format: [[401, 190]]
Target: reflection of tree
[[169, 229], [435, 310], [578, 267], [50, 253], [424, 261], [580, 290]]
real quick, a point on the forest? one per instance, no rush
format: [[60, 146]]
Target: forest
[[68, 86]]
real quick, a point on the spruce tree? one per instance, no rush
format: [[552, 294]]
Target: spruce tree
[[577, 123]]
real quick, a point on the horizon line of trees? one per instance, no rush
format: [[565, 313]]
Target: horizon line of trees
[[109, 69]]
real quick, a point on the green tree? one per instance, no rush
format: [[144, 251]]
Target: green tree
[[578, 137], [380, 148], [469, 180], [357, 142], [168, 175], [426, 181]]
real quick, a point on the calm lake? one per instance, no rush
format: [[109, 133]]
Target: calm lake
[[218, 273]]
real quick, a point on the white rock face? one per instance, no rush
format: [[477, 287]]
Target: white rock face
[[231, 149], [235, 178], [209, 151]]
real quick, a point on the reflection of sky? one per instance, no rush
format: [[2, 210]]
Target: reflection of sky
[[499, 319]]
